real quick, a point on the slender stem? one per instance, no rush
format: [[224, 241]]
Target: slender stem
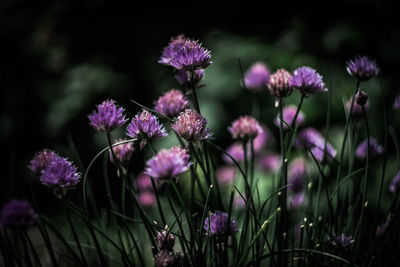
[[345, 137], [365, 180]]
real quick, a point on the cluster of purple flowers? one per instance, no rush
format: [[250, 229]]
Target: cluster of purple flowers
[[316, 143], [297, 172], [362, 67], [168, 164], [308, 81], [288, 114], [217, 225], [245, 128], [18, 215], [145, 126], [108, 117], [185, 54], [56, 172], [375, 149], [122, 152], [146, 195], [167, 256], [279, 83], [257, 77], [191, 126], [172, 103]]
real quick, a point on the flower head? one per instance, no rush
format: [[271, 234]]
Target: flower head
[[288, 116], [122, 152], [190, 56], [270, 162], [395, 184], [107, 117], [168, 164], [279, 83], [146, 199], [396, 104], [171, 103], [226, 174], [18, 215], [236, 151], [308, 81], [167, 258], [217, 224], [343, 241], [170, 50], [256, 77], [143, 182], [145, 126], [41, 160], [320, 148], [357, 112], [60, 175], [191, 126], [375, 149], [296, 174], [245, 128], [184, 77], [362, 67], [165, 240]]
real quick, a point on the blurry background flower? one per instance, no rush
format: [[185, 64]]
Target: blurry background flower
[[362, 67], [18, 215], [257, 77]]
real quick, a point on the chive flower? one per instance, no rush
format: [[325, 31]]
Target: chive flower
[[168, 164], [375, 149], [362, 67], [288, 116], [41, 160], [216, 225], [190, 56], [256, 77], [279, 83], [171, 103], [170, 50], [107, 117], [122, 152], [165, 240], [191, 126], [307, 81], [18, 215], [316, 144], [245, 128]]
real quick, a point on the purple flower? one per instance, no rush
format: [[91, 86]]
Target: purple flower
[[383, 229], [236, 151], [288, 116], [362, 67], [60, 175], [184, 77], [226, 174], [168, 164], [41, 160], [171, 103], [191, 126], [165, 240], [167, 258], [316, 143], [308, 81], [395, 184], [238, 202], [343, 241], [256, 77], [122, 152], [270, 162], [190, 56], [217, 225], [143, 182], [279, 83], [296, 201], [170, 50], [107, 117], [374, 149], [18, 215], [297, 173], [146, 199], [396, 104], [145, 126], [245, 128], [357, 112]]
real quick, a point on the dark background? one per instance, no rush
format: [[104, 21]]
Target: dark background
[[58, 59]]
